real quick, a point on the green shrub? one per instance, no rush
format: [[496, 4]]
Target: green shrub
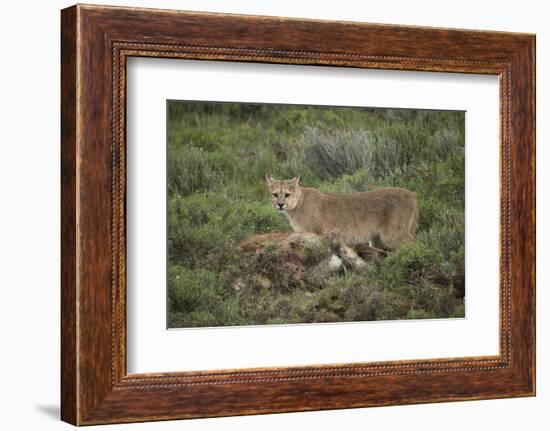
[[191, 172], [332, 153], [204, 228], [408, 264], [200, 298]]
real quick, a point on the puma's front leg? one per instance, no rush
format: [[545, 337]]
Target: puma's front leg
[[350, 254]]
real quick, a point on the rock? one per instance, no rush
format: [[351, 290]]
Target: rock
[[287, 258], [237, 285], [258, 242], [300, 252]]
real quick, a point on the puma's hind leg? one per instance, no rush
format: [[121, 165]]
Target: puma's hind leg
[[393, 240]]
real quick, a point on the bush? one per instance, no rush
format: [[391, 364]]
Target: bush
[[410, 263], [203, 229], [386, 153], [331, 153], [200, 298], [191, 172]]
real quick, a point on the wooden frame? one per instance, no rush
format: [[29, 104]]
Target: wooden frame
[[95, 42]]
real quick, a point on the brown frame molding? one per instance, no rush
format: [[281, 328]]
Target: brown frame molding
[[95, 43]]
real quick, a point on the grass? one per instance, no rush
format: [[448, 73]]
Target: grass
[[218, 156]]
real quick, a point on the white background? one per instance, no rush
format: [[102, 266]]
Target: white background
[[29, 215], [151, 348]]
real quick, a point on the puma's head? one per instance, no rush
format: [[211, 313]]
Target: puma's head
[[285, 194]]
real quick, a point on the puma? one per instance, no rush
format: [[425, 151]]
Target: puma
[[383, 218]]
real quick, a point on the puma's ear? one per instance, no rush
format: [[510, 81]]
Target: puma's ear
[[269, 179], [294, 181]]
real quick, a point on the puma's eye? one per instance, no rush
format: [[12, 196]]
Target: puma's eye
[[287, 195], [274, 195]]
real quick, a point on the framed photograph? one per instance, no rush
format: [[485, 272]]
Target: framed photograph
[[264, 214]]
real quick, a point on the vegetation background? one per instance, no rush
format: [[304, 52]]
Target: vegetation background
[[218, 156]]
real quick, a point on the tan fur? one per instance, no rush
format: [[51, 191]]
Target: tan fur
[[384, 217], [257, 242]]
